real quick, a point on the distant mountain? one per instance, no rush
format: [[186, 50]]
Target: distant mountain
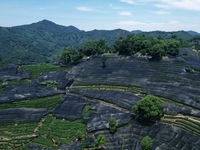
[[136, 31], [193, 33], [39, 42], [185, 35], [43, 40]]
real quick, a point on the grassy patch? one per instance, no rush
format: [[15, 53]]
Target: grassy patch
[[36, 69], [49, 83], [45, 102], [185, 123], [16, 135], [87, 110], [135, 90], [191, 70], [44, 142], [62, 131]]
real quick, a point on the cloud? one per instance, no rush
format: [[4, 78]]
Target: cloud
[[171, 25], [83, 8], [193, 5], [125, 13], [128, 1], [162, 12], [115, 7]]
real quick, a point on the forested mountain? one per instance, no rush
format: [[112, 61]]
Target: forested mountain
[[41, 41], [185, 35]]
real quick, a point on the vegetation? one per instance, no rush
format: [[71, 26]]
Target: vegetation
[[191, 70], [113, 125], [103, 60], [187, 122], [45, 102], [70, 56], [42, 141], [156, 48], [135, 90], [150, 108], [43, 41], [62, 131], [50, 133], [16, 135], [100, 141], [146, 143], [49, 83], [93, 47], [87, 110], [37, 69]]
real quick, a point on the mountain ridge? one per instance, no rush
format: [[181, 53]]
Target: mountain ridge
[[41, 41]]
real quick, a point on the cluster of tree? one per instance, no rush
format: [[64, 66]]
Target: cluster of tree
[[196, 42], [149, 109], [147, 46], [72, 55], [154, 47]]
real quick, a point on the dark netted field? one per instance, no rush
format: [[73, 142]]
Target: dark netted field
[[58, 108]]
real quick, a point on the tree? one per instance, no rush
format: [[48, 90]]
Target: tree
[[150, 108], [121, 46], [70, 56], [88, 48], [103, 60], [172, 47], [156, 52], [113, 125], [146, 143], [100, 141], [94, 47], [130, 45]]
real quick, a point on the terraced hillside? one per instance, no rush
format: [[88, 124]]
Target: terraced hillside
[[59, 108]]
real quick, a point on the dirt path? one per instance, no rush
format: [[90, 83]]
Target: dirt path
[[179, 116], [40, 124], [17, 137], [104, 103]]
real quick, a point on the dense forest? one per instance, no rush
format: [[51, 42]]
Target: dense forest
[[43, 41]]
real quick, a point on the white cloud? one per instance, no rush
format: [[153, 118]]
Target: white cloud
[[115, 7], [193, 5], [171, 25], [180, 4], [125, 13], [162, 12], [128, 1], [83, 8]]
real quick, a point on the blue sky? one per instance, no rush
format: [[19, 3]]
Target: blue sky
[[146, 15]]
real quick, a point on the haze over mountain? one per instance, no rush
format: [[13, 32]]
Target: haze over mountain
[[41, 41]]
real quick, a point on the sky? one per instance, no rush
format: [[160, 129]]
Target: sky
[[145, 15]]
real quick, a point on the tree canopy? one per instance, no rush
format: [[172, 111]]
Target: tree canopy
[[154, 47], [93, 47], [70, 56], [150, 108], [146, 143], [100, 141], [113, 125]]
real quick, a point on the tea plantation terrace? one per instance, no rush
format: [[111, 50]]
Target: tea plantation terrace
[[68, 108]]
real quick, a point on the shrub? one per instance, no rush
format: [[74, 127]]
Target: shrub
[[146, 143], [113, 125], [100, 141]]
